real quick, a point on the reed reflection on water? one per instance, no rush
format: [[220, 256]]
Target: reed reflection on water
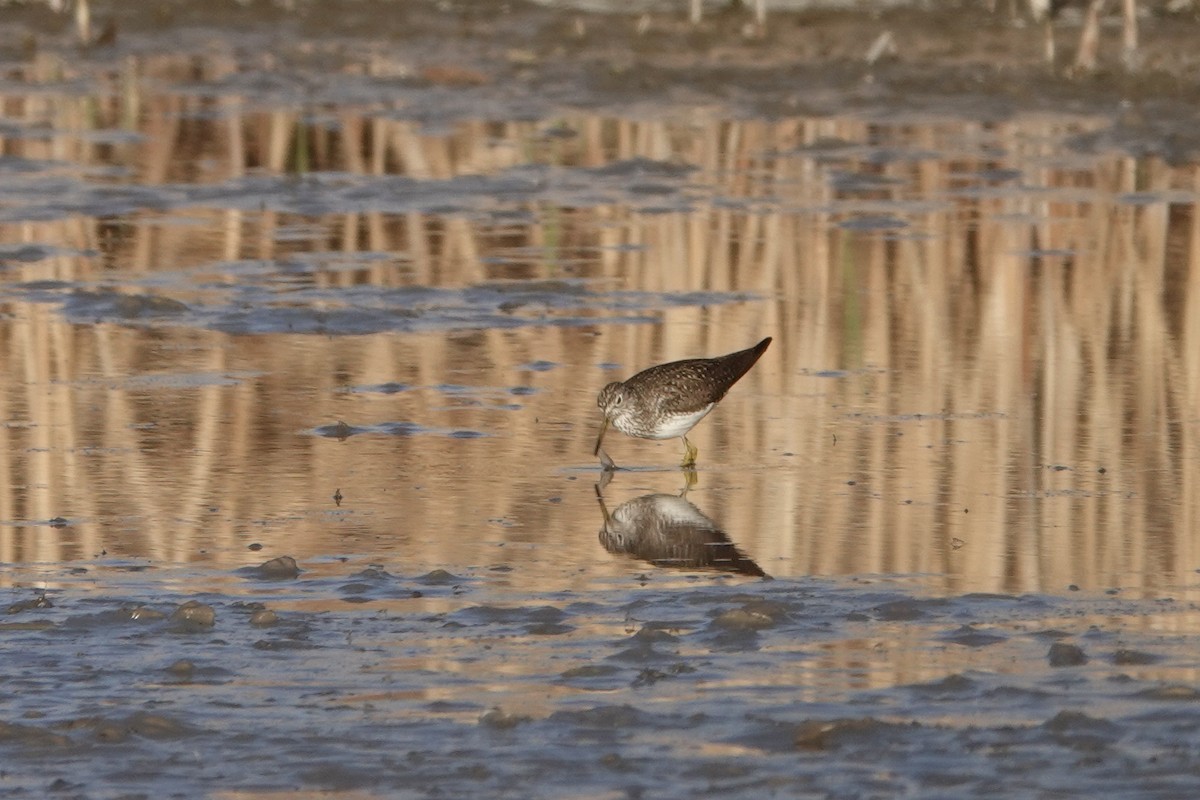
[[986, 364]]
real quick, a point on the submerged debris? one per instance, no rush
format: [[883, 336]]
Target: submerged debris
[[280, 568], [193, 616]]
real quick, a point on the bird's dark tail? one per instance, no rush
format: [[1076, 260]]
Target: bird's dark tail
[[747, 358], [732, 367]]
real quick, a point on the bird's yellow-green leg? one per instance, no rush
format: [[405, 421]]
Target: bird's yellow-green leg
[[689, 458]]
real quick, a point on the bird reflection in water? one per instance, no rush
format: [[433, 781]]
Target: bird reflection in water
[[669, 531]]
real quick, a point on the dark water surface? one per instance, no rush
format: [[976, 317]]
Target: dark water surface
[[943, 537]]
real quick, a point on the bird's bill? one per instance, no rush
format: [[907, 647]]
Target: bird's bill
[[600, 438], [600, 497]]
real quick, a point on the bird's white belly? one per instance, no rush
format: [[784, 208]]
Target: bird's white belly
[[678, 425]]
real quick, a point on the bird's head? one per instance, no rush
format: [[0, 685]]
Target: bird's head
[[610, 398]]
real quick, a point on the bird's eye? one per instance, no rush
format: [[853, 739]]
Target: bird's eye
[[617, 400]]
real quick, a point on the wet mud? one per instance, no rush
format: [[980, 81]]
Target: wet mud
[[356, 677]]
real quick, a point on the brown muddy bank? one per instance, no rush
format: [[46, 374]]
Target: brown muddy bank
[[964, 61]]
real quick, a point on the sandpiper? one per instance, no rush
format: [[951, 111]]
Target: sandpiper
[[667, 400]]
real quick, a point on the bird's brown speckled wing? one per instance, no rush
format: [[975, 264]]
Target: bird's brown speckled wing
[[698, 382]]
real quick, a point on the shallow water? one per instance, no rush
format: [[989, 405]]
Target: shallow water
[[942, 537]]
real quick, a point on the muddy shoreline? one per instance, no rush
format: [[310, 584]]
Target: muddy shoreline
[[966, 62]]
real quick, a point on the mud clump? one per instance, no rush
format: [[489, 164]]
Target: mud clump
[[193, 616], [277, 569], [1066, 655]]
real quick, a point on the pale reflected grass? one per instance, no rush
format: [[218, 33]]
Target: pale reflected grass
[[996, 389]]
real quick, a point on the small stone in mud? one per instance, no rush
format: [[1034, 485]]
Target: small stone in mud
[[264, 618], [157, 726], [648, 677], [1133, 657], [182, 668], [248, 605], [194, 615], [111, 732], [747, 618], [1052, 633], [279, 568], [969, 636], [142, 614], [31, 735], [374, 572], [254, 546], [1066, 655], [1174, 693], [438, 577], [1078, 722], [899, 611], [144, 724], [501, 720], [831, 734], [650, 634], [589, 671]]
